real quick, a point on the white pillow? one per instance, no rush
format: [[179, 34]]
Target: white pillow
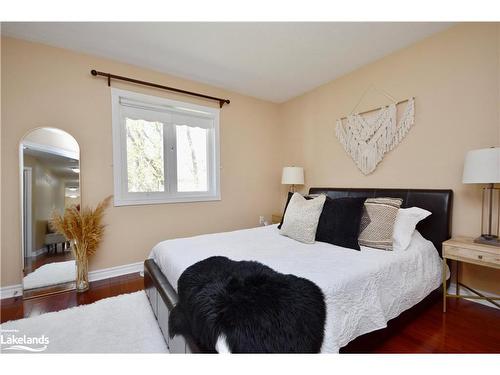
[[302, 217], [406, 221]]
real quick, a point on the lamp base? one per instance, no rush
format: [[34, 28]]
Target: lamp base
[[486, 239]]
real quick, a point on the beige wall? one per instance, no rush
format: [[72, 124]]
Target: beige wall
[[454, 76], [46, 86]]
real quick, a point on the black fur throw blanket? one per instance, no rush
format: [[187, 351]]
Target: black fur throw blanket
[[255, 308]]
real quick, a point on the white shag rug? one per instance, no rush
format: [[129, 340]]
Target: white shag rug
[[121, 324], [51, 274]]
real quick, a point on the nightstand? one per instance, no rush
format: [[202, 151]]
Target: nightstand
[[465, 250], [276, 218]]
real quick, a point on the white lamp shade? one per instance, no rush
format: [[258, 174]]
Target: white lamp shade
[[292, 176], [482, 166]]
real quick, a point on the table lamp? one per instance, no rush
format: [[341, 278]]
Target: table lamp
[[483, 167], [292, 176]]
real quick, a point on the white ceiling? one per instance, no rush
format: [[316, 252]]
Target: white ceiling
[[272, 61]]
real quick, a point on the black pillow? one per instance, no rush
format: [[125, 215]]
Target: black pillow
[[286, 205], [339, 222]]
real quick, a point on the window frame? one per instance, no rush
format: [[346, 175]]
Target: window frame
[[162, 109]]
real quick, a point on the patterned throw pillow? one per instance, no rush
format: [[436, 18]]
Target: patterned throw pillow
[[377, 222], [290, 194], [301, 218]]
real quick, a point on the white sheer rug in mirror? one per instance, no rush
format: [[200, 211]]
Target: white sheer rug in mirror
[[121, 324], [50, 274]]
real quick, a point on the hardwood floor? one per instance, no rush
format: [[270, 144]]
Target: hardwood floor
[[467, 327]]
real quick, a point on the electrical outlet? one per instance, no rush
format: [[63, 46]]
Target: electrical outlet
[[262, 220]]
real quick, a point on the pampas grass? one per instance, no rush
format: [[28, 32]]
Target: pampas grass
[[85, 230]]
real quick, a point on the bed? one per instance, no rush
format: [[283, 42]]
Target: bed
[[363, 290]]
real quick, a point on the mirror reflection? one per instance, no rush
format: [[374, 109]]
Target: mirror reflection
[[50, 167]]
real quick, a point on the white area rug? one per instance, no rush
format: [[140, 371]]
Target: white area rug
[[121, 324], [51, 274]]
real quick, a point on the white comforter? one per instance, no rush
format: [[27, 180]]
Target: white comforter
[[363, 289]]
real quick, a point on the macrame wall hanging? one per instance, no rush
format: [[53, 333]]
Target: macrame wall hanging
[[368, 138]]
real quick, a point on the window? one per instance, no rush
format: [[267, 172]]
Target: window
[[163, 150]]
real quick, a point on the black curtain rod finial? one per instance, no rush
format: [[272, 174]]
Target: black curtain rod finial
[[223, 101]]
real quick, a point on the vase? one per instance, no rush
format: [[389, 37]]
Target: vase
[[82, 271]]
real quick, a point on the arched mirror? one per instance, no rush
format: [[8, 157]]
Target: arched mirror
[[50, 181]]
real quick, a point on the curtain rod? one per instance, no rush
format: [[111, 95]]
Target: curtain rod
[[376, 109], [110, 76]]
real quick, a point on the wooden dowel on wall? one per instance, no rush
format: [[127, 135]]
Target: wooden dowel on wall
[[376, 109]]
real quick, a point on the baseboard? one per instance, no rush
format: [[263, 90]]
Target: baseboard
[[466, 292], [105, 273], [11, 291]]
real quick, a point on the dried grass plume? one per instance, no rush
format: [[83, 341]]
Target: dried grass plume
[[83, 227]]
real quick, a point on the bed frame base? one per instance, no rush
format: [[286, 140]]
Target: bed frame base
[[163, 298]]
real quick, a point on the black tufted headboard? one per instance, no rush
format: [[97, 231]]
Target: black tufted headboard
[[436, 227]]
